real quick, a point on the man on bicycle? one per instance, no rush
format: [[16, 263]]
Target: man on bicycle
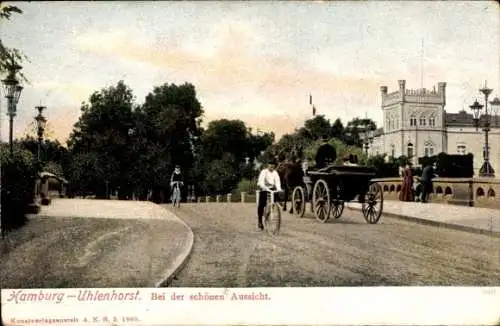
[[269, 180], [176, 178]]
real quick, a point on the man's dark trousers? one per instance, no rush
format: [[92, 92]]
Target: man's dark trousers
[[426, 190], [262, 205]]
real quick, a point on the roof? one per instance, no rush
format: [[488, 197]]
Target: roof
[[52, 175], [465, 119]]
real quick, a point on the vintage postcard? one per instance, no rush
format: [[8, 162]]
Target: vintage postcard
[[250, 162]]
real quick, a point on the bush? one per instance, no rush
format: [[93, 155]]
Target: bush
[[382, 168], [18, 185], [341, 149], [451, 166], [246, 185]]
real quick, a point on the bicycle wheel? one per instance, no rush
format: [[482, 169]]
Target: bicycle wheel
[[272, 219], [174, 197], [177, 197]]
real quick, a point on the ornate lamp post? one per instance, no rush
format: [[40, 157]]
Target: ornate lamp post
[[367, 139], [41, 123], [483, 120], [12, 94]]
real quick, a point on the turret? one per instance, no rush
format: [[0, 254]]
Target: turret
[[402, 85], [442, 91]]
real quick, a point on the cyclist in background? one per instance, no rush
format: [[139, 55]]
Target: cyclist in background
[[176, 179], [269, 180]]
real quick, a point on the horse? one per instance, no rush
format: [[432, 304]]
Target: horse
[[291, 175]]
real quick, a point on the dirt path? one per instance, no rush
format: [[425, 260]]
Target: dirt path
[[230, 252]]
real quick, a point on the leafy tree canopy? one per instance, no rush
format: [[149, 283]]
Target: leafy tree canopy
[[10, 56]]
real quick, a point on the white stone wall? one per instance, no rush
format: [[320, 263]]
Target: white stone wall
[[454, 136], [377, 147], [474, 143], [429, 132]]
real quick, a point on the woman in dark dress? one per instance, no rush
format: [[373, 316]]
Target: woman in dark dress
[[406, 193]]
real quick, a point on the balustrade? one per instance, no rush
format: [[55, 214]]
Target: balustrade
[[479, 192]]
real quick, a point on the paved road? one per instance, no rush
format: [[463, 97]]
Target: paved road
[[58, 252], [230, 252]]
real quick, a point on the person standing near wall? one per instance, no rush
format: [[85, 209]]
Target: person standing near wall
[[428, 174]]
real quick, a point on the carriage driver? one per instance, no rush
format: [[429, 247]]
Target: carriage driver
[[326, 154], [269, 180]]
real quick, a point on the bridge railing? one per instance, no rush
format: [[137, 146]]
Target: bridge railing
[[478, 192]]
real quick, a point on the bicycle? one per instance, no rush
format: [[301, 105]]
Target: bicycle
[[176, 195], [272, 214]]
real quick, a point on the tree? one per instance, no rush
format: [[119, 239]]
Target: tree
[[318, 127], [220, 176], [341, 148], [354, 128], [227, 144], [10, 56], [226, 136], [337, 130], [51, 150], [101, 138], [259, 143], [168, 133], [18, 184]]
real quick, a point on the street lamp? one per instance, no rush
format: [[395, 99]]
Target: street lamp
[[12, 93], [41, 124], [483, 120], [367, 138]]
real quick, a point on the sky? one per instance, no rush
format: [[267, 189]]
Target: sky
[[254, 61]]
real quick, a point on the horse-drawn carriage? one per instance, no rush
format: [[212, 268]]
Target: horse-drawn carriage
[[329, 188]]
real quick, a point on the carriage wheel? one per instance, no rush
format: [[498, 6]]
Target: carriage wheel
[[298, 201], [337, 208], [373, 204], [321, 201]]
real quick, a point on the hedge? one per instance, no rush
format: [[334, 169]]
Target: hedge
[[451, 166], [18, 185]]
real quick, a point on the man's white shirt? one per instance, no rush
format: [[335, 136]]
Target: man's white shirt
[[268, 179]]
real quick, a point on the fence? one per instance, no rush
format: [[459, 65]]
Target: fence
[[478, 192], [241, 197]]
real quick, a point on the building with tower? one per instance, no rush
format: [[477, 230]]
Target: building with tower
[[416, 124]]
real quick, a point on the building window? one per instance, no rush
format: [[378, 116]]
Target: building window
[[428, 149], [413, 121], [432, 121], [461, 149], [397, 123], [422, 121], [388, 123], [409, 151]]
